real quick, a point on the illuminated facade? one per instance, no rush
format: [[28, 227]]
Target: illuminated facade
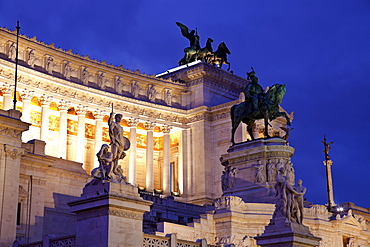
[[179, 126]]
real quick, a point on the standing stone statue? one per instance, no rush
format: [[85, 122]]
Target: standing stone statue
[[298, 200], [259, 173], [271, 171], [284, 194], [119, 143]]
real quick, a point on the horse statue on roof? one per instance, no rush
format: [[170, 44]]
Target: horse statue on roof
[[219, 57], [268, 110]]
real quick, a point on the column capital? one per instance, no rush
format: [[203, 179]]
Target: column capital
[[64, 105], [149, 125], [26, 94], [166, 129], [7, 88], [81, 110], [132, 122], [99, 114], [45, 100]]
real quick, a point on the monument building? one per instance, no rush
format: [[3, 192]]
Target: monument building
[[98, 155]]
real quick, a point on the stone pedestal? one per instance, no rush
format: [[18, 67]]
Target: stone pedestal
[[250, 169], [287, 234], [109, 214]]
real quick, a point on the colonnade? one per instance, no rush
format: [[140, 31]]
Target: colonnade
[[81, 111]]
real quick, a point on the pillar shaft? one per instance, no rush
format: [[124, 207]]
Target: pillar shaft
[[98, 133], [132, 159], [80, 145], [7, 101], [63, 122], [149, 157], [166, 160]]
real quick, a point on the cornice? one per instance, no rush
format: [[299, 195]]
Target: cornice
[[82, 60]]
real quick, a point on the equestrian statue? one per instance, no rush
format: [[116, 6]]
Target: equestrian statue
[[194, 52], [258, 105]]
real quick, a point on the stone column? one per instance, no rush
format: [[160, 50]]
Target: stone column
[[26, 108], [132, 123], [166, 159], [98, 114], [7, 96], [110, 214], [10, 156], [45, 103], [63, 122], [26, 111], [149, 156], [80, 145]]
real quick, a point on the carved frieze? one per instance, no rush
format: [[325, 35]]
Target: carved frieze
[[6, 131], [13, 152]]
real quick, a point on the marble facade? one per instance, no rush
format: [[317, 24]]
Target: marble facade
[[179, 125]]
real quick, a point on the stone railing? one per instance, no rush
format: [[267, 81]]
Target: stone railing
[[171, 241], [68, 241], [148, 241]]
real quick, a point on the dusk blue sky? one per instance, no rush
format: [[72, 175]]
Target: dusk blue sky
[[319, 49]]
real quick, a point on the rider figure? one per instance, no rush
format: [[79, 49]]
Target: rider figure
[[253, 90]]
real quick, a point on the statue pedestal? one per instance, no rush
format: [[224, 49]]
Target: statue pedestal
[[287, 234], [250, 169], [109, 214]]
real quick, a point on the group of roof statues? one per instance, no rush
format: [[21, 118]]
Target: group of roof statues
[[206, 54]]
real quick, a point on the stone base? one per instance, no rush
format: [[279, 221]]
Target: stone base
[[247, 166], [109, 214], [287, 234]]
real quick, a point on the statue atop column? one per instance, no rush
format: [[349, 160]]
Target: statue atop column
[[108, 159]]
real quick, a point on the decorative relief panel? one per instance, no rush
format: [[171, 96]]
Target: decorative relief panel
[[36, 118], [89, 131], [10, 132], [72, 127], [53, 123]]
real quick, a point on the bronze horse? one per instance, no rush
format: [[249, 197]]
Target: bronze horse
[[268, 109], [219, 57]]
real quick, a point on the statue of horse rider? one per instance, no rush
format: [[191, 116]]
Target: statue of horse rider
[[253, 90]]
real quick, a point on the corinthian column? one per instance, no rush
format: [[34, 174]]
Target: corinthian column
[[63, 108], [45, 103], [98, 115], [80, 145], [26, 108], [26, 111], [132, 123], [166, 159], [7, 96], [149, 156]]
